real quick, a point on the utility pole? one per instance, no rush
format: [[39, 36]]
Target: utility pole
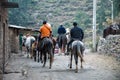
[[94, 25], [112, 11]]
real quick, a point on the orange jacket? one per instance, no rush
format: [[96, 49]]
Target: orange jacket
[[45, 30]]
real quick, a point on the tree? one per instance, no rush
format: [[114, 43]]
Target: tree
[[83, 19], [21, 15]]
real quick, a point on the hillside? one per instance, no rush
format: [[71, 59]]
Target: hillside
[[59, 11], [54, 11], [31, 13]]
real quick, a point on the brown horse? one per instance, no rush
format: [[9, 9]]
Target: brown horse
[[39, 53], [46, 50], [112, 29], [77, 50], [62, 42]]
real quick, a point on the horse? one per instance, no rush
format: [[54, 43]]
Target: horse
[[68, 34], [46, 48], [28, 45], [39, 51], [77, 49], [112, 29], [34, 50], [62, 42]]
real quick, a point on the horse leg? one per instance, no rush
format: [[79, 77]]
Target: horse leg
[[63, 48], [81, 58], [38, 55], [80, 54], [27, 52], [81, 63], [71, 61], [41, 57], [60, 51], [76, 62], [31, 53], [34, 54], [44, 59], [51, 60], [53, 51]]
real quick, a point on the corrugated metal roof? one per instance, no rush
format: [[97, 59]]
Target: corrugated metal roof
[[19, 27]]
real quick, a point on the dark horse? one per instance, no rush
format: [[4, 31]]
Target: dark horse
[[77, 50], [62, 42], [112, 29], [39, 52], [46, 49]]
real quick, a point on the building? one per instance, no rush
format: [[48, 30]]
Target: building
[[4, 35], [15, 33]]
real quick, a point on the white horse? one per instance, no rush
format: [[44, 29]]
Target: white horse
[[68, 34], [77, 50], [28, 44]]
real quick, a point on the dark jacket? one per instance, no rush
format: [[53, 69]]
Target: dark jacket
[[77, 33], [61, 30]]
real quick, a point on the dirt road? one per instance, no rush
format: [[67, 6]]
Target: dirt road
[[96, 67]]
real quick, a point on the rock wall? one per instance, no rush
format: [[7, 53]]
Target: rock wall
[[110, 45]]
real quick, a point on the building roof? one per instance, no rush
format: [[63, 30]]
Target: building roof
[[18, 27], [21, 27]]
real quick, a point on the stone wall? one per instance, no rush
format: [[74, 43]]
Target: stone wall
[[13, 41], [110, 45]]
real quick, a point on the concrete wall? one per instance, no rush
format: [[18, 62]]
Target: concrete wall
[[13, 40]]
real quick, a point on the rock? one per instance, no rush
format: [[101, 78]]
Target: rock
[[110, 45]]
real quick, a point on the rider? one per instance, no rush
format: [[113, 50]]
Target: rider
[[75, 33], [45, 31], [61, 31]]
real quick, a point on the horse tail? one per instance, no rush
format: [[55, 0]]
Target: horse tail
[[75, 50], [79, 53], [49, 45]]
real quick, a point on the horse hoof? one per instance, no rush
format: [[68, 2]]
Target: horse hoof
[[38, 61], [76, 71], [82, 67], [41, 61], [34, 60]]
